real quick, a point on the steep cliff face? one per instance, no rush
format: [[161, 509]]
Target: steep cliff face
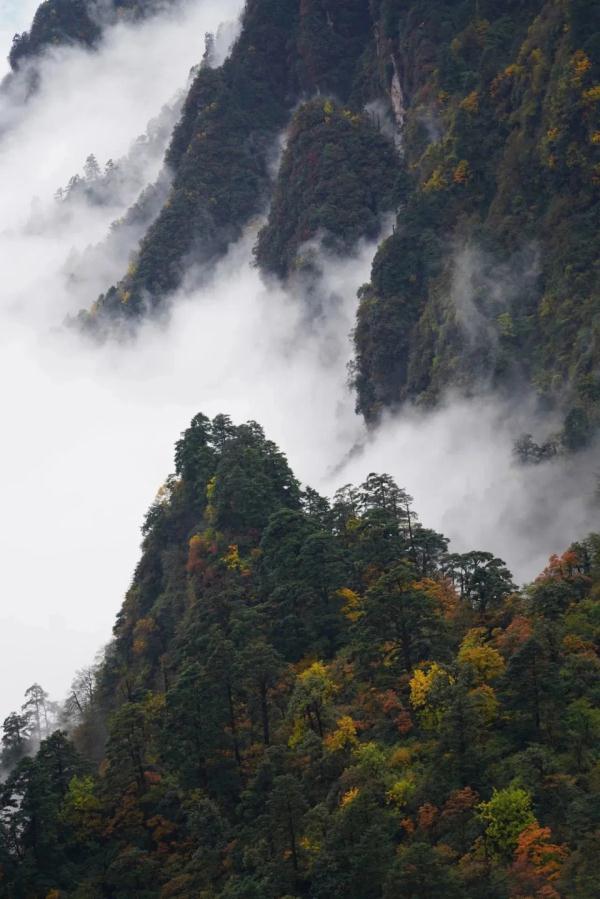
[[492, 275], [218, 156], [336, 180], [490, 279], [222, 147]]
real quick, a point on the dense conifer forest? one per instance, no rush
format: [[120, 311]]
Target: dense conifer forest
[[491, 112], [307, 698], [317, 698], [488, 150]]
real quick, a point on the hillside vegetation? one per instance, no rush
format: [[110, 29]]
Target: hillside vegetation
[[492, 275], [488, 152], [315, 699], [308, 698]]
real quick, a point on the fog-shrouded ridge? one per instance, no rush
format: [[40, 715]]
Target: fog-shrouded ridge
[[89, 430], [15, 17], [57, 605]]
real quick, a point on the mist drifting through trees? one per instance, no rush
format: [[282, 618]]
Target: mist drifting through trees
[[342, 256]]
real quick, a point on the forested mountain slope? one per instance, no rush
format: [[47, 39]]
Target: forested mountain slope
[[492, 274], [305, 698], [315, 699], [223, 147], [488, 151], [67, 22], [482, 132]]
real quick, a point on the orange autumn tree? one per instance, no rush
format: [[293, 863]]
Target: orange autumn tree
[[537, 864]]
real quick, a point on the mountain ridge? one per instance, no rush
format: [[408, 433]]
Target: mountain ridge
[[307, 698], [468, 94]]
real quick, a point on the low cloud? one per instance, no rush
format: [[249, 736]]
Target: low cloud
[[458, 464], [89, 430], [69, 434], [483, 290]]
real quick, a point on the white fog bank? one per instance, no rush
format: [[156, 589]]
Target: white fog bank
[[72, 448]]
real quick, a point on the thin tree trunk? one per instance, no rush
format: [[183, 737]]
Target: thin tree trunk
[[292, 833], [264, 708], [233, 726]]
